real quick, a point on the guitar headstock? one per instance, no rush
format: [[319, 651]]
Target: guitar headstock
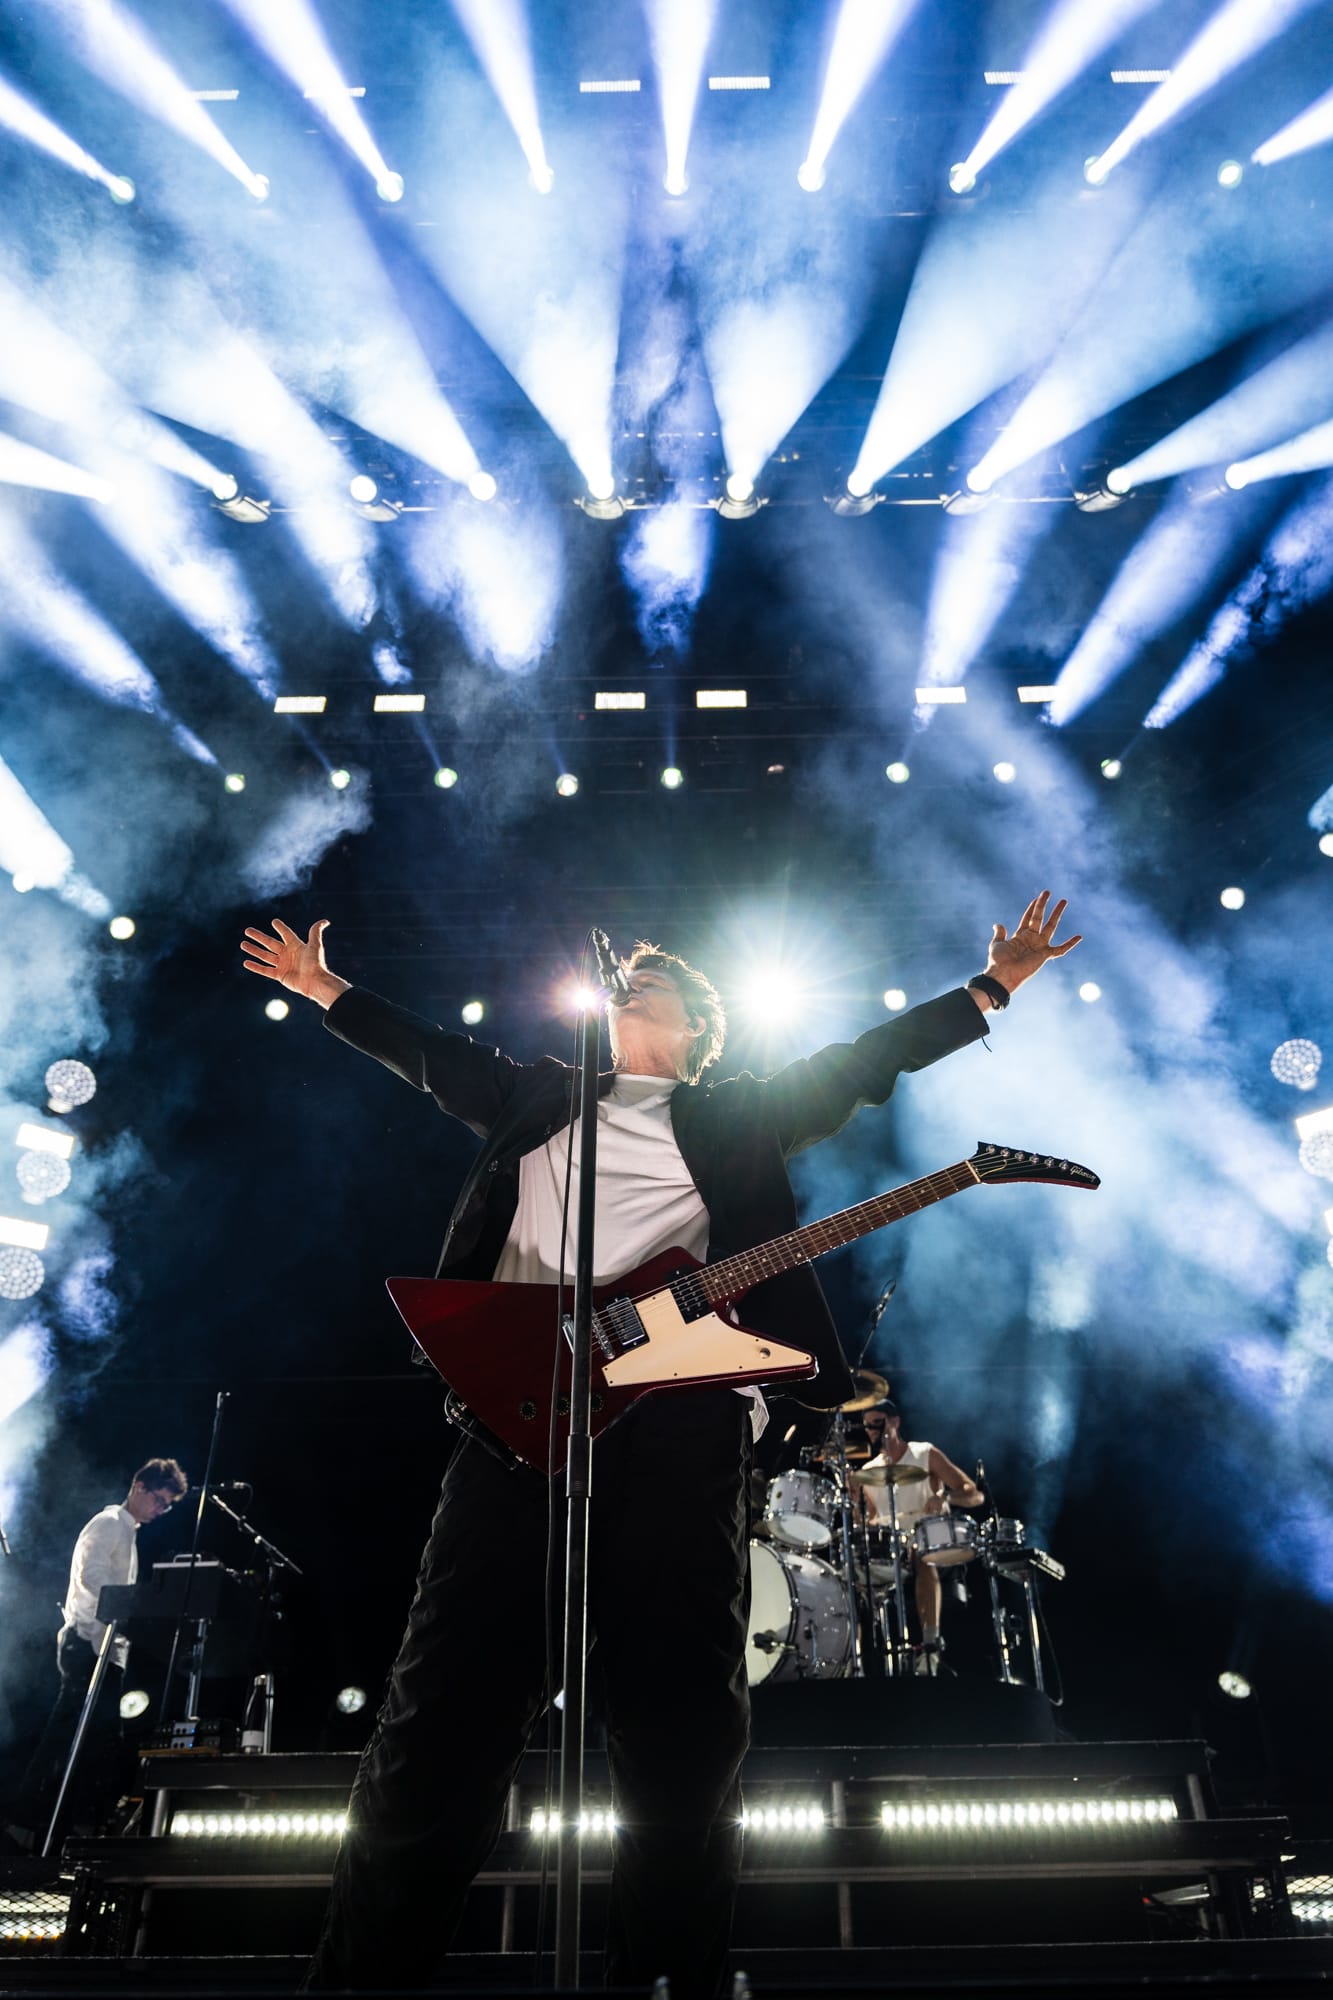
[[1006, 1163]]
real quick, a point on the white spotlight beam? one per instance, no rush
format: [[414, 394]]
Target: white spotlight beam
[[680, 31], [1273, 403], [23, 465], [1235, 33], [865, 32], [111, 42], [290, 33], [498, 32], [1310, 452], [33, 125], [1313, 127], [1073, 36], [32, 850]]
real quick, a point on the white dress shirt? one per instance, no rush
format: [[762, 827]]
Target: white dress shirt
[[107, 1551]]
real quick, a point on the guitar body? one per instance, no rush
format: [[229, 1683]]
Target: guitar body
[[493, 1346]]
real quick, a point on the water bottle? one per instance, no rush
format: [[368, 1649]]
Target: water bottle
[[253, 1729]]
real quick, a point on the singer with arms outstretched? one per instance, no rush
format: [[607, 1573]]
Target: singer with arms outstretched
[[681, 1162]]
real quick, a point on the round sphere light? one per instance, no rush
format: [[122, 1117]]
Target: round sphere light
[[1230, 174], [1089, 991], [362, 488], [962, 180], [351, 1700], [897, 773], [121, 928], [340, 779], [1111, 767], [895, 999], [739, 488], [446, 778], [389, 187], [69, 1083], [1119, 481], [1236, 477], [676, 185], [566, 785], [1094, 173], [42, 1175], [472, 1012], [225, 487], [276, 1010], [810, 176], [121, 189], [234, 781], [1316, 1155], [1235, 1685], [978, 480], [22, 1273], [673, 778], [1297, 1063], [542, 177], [482, 485], [1004, 772], [1325, 847], [1232, 898], [602, 486], [22, 883], [259, 187], [134, 1702]]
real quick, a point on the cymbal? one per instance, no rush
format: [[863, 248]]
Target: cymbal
[[870, 1389], [902, 1474]]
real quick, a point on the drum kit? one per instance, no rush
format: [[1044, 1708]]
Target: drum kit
[[828, 1578]]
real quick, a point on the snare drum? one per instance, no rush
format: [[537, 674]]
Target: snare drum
[[799, 1628], [945, 1540], [800, 1510], [1006, 1533]]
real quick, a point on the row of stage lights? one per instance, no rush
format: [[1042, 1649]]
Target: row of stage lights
[[43, 1172]]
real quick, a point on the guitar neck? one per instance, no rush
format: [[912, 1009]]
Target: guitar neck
[[735, 1275]]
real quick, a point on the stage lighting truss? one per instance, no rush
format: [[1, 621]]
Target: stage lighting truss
[[738, 500], [32, 1916]]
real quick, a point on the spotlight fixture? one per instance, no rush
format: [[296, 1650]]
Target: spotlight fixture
[[398, 704], [1111, 767], [121, 928], [895, 999], [1235, 1685], [276, 1010], [852, 498], [1232, 899], [1094, 173], [258, 186], [42, 1175], [68, 1083], [238, 506], [446, 778], [1037, 691], [1099, 499], [369, 502], [619, 698], [810, 176], [351, 1700], [962, 180], [1230, 174], [1119, 482], [601, 502], [1236, 477], [1325, 846], [340, 780], [676, 185], [45, 1139], [1004, 772], [133, 1702], [941, 697], [362, 488], [542, 178], [738, 500], [978, 480], [482, 485], [967, 503], [472, 1012], [390, 187], [1090, 991], [121, 189], [300, 704], [721, 698], [566, 785], [225, 487], [673, 778], [234, 781], [897, 773]]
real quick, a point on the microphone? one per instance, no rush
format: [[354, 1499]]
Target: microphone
[[769, 1642], [882, 1302], [610, 971]]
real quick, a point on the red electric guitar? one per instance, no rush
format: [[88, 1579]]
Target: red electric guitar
[[663, 1326]]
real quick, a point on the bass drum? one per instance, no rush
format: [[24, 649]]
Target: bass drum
[[799, 1629]]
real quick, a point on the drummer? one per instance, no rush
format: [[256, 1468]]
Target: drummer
[[943, 1487]]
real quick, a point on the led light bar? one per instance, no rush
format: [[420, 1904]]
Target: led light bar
[[997, 76], [1036, 694], [45, 1139], [721, 698], [783, 1819], [321, 96], [399, 704], [1139, 75], [619, 698], [940, 697], [300, 704], [611, 84], [1314, 1121], [591, 1822], [215, 96], [24, 1235], [1308, 1911], [1029, 1815], [738, 83], [265, 1825]]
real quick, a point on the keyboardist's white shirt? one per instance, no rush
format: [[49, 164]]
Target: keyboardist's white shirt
[[107, 1551]]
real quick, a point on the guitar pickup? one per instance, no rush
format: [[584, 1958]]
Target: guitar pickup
[[605, 1339]]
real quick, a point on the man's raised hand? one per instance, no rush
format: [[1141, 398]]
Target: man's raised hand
[[295, 962], [1014, 959]]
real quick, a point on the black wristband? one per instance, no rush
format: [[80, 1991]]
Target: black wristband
[[997, 995]]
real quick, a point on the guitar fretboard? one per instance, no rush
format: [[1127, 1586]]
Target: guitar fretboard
[[734, 1275]]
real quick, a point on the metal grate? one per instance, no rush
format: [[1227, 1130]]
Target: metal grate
[[32, 1916]]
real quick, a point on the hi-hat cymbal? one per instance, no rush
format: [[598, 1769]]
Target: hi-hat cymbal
[[902, 1474], [870, 1389]]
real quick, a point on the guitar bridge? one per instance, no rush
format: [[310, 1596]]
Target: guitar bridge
[[603, 1337]]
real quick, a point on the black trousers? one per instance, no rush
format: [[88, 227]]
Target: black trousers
[[98, 1771], [668, 1609]]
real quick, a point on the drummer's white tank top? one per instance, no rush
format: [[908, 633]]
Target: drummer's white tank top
[[911, 1499]]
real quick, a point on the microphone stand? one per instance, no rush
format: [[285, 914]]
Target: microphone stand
[[196, 1664], [578, 1493]]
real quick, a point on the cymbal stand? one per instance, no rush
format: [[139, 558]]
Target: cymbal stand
[[1034, 1630], [848, 1545], [898, 1643]]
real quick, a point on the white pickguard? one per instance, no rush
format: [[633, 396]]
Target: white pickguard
[[678, 1349]]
